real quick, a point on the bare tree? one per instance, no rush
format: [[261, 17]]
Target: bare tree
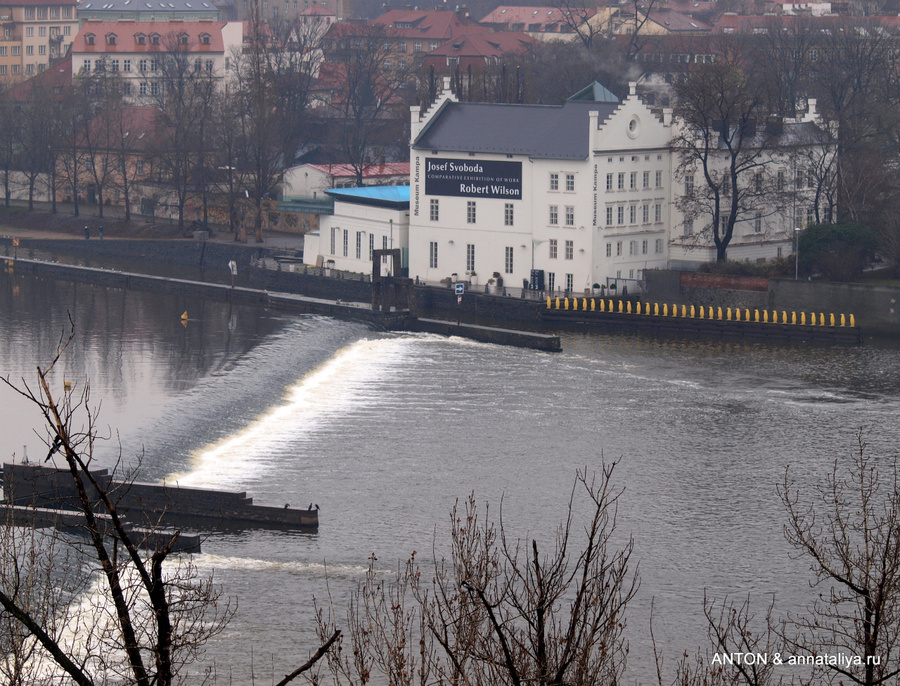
[[365, 103], [497, 610], [850, 533], [141, 618], [727, 148], [10, 137]]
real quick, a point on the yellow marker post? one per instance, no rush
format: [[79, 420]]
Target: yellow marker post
[[557, 302], [602, 305], [620, 307], [593, 305], [831, 319], [719, 313], [584, 303], [728, 314], [803, 319], [692, 312], [548, 302], [665, 309], [637, 307], [566, 302], [852, 320], [843, 320], [701, 312], [574, 303]]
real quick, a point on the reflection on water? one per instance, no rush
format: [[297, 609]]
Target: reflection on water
[[386, 431]]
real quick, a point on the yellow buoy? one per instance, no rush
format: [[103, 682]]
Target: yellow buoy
[[184, 315]]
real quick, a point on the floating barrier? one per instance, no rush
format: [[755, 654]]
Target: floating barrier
[[752, 322]]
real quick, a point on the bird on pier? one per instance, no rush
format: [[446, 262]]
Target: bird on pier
[[57, 444], [317, 507], [310, 507]]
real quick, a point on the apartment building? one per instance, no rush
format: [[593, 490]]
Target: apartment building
[[33, 34]]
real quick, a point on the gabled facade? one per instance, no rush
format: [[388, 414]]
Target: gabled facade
[[579, 192], [565, 197], [34, 34]]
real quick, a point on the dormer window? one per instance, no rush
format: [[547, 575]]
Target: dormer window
[[140, 39], [89, 39], [154, 39], [182, 39], [204, 39], [111, 39]]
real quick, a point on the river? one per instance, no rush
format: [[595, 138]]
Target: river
[[385, 431]]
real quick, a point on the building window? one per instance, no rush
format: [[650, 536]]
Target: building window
[[659, 245], [632, 180], [554, 215], [551, 281], [609, 249], [609, 216], [570, 282], [142, 65], [570, 250], [29, 14], [182, 39], [433, 45], [621, 215], [618, 248], [417, 46], [16, 51], [688, 226], [643, 247], [143, 91], [29, 51], [3, 51], [346, 242], [126, 65], [140, 39], [432, 255], [553, 249], [29, 32], [646, 179], [435, 210], [657, 212], [554, 182], [799, 178], [111, 39], [632, 214], [609, 182], [209, 66], [779, 180], [204, 39], [645, 213], [334, 241], [371, 246], [757, 223], [570, 182], [689, 184], [570, 215], [126, 88], [508, 262], [508, 214], [632, 247], [2, 70], [621, 185], [470, 212], [810, 215], [470, 257], [154, 65], [114, 65], [154, 88], [359, 245], [659, 179]]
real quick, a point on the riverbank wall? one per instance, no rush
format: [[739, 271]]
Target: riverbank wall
[[875, 308]]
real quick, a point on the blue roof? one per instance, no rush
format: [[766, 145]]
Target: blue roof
[[373, 195]]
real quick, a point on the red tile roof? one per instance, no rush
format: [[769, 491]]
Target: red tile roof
[[341, 170], [486, 45], [418, 24], [126, 33], [541, 19]]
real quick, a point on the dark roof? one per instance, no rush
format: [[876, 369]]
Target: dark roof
[[543, 131]]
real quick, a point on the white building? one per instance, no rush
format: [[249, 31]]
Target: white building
[[364, 219], [581, 192], [566, 197]]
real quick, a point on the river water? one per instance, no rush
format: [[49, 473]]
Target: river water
[[385, 431]]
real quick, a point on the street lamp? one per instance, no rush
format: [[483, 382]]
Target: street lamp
[[796, 253]]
